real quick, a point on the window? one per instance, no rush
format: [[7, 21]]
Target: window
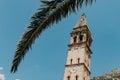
[[81, 38], [78, 60], [75, 39], [76, 77], [68, 78], [71, 61]]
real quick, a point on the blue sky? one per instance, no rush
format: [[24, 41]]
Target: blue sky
[[48, 56]]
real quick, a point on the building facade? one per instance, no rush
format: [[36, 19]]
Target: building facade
[[79, 53]]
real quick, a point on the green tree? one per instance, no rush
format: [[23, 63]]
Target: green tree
[[52, 11]]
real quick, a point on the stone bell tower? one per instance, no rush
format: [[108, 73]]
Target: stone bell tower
[[79, 53]]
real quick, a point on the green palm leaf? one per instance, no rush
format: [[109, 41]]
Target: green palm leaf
[[51, 12]]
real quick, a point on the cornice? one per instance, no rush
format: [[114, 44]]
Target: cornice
[[80, 43], [78, 64]]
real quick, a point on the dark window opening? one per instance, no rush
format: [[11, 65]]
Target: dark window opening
[[78, 60], [76, 77], [81, 38], [75, 39], [68, 78], [71, 61]]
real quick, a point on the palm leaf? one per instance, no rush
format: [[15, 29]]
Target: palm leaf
[[51, 12]]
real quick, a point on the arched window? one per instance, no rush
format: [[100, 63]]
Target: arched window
[[75, 39], [81, 38], [68, 78], [76, 77], [71, 61]]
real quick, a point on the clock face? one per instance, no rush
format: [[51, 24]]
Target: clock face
[[73, 70]]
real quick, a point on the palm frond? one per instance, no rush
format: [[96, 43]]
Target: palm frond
[[52, 12]]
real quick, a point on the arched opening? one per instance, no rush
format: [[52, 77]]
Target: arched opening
[[75, 39], [81, 38], [68, 78], [76, 77], [71, 61]]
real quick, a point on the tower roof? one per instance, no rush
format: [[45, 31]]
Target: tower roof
[[82, 21]]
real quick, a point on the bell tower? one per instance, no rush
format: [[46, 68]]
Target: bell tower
[[79, 53]]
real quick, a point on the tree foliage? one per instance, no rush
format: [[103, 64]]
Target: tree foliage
[[49, 13]]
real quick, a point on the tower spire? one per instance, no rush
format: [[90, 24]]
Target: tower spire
[[79, 52], [82, 21]]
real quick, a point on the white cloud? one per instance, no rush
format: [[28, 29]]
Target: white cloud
[[1, 68], [2, 77]]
